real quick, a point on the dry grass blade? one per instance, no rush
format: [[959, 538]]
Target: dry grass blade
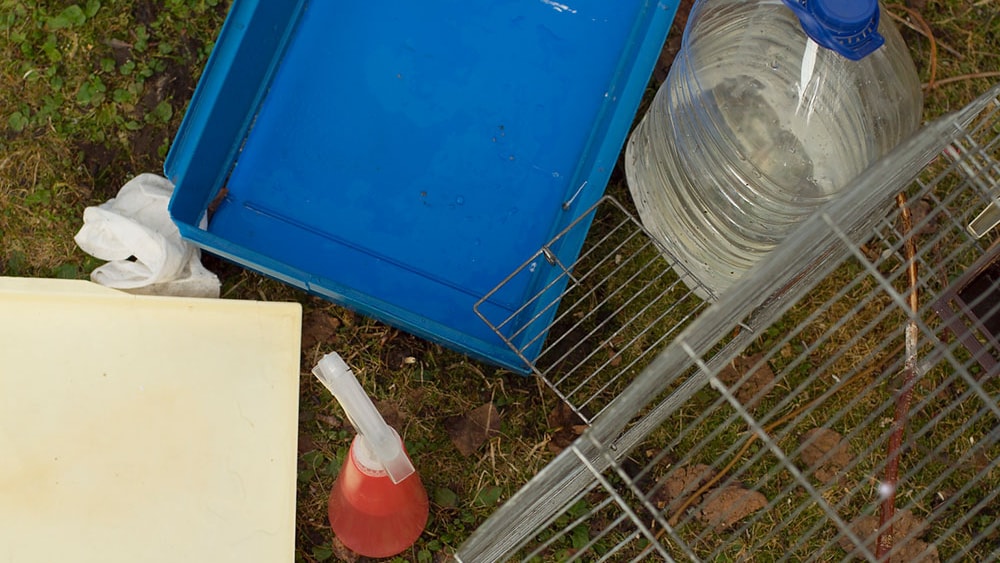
[[964, 77]]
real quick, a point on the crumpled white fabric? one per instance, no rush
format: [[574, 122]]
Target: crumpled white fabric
[[144, 249]]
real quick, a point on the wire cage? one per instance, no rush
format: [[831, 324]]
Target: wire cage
[[841, 402]]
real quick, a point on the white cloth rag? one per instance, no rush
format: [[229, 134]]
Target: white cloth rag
[[146, 254]]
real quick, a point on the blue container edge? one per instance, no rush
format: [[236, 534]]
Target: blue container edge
[[244, 18], [348, 298]]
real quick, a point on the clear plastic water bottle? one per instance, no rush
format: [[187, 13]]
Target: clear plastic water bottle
[[770, 108]]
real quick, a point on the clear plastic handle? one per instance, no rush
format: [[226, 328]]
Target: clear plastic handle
[[380, 439]]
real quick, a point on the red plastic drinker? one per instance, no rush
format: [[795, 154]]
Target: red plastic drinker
[[372, 515], [378, 505]]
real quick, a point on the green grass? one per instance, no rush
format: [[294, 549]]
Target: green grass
[[91, 94]]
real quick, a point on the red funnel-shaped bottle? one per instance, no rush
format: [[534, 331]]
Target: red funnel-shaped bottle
[[372, 515], [378, 505]]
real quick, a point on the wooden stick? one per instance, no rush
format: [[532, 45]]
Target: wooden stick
[[929, 33], [888, 489]]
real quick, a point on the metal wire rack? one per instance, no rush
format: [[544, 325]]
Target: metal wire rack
[[841, 402], [620, 305]]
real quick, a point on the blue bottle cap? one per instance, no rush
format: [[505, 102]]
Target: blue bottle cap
[[849, 27]]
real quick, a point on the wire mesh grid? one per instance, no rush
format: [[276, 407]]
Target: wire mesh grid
[[621, 303], [842, 402]]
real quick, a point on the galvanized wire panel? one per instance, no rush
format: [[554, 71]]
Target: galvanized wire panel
[[762, 427], [621, 303]]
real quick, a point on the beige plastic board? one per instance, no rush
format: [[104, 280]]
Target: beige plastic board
[[145, 429]]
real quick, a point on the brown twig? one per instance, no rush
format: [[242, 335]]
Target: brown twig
[[922, 30], [888, 509], [929, 34]]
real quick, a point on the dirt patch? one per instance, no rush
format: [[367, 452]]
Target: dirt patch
[[580, 335], [145, 148], [305, 443], [728, 505], [758, 383], [471, 430], [111, 164], [393, 415], [174, 85], [144, 11], [222, 267], [825, 452], [319, 327], [402, 350], [107, 166], [680, 484], [906, 529]]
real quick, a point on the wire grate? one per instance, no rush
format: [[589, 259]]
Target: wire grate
[[621, 303], [854, 375]]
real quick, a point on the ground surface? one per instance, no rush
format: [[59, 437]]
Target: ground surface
[[91, 94]]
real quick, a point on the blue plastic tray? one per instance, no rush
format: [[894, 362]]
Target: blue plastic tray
[[403, 158]]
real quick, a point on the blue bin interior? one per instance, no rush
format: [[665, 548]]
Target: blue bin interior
[[404, 159]]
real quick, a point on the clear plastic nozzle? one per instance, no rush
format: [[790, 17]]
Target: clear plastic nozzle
[[378, 436]]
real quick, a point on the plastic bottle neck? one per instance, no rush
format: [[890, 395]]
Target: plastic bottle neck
[[847, 27]]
